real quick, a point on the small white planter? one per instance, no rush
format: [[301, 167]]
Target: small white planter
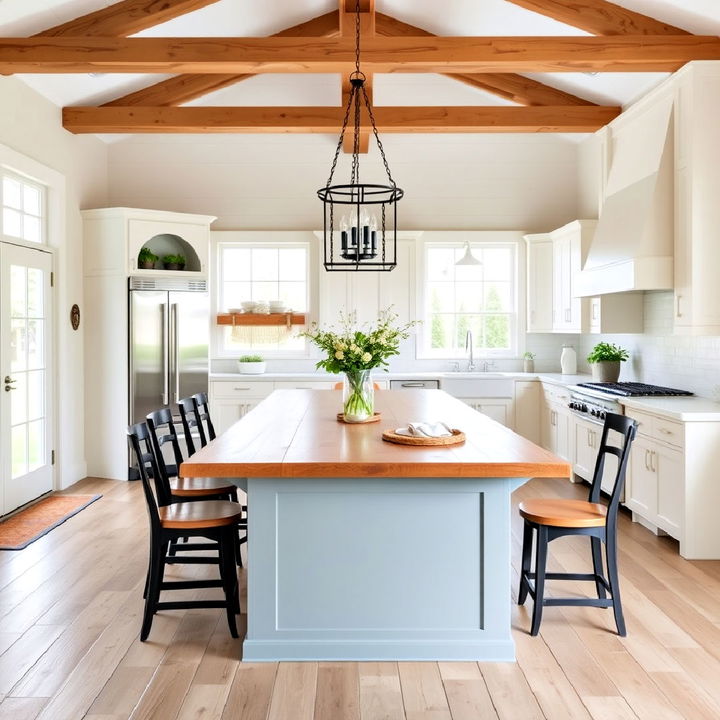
[[251, 368]]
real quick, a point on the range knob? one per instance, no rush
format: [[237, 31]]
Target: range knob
[[594, 412], [584, 407], [602, 414]]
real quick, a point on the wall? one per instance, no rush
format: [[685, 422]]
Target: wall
[[269, 182], [31, 126]]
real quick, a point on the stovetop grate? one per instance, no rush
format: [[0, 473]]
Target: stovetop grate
[[633, 389]]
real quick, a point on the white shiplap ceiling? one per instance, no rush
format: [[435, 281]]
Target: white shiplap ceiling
[[264, 17]]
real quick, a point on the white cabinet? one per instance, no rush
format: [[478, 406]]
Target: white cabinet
[[620, 313], [587, 437], [527, 408], [232, 400], [556, 421], [539, 283], [496, 408]]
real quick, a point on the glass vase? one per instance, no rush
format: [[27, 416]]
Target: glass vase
[[358, 396]]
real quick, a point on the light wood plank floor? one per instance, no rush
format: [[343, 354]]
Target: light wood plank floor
[[70, 607]]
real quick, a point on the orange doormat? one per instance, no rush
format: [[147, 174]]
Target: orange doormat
[[19, 530]]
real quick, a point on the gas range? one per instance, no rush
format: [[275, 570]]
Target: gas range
[[594, 400]]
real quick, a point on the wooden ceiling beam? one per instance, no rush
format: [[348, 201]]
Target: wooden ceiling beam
[[509, 86], [184, 88], [125, 18], [628, 53], [600, 17], [327, 119]]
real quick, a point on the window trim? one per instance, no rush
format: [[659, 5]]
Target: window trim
[[479, 240], [250, 239], [6, 171]]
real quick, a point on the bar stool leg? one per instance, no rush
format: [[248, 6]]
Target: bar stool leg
[[540, 563], [155, 574], [614, 582], [526, 562], [597, 565], [229, 578]]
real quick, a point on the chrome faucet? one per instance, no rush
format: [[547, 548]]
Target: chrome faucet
[[469, 346]]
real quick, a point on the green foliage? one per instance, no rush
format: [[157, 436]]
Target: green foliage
[[351, 349], [147, 255], [250, 358], [437, 331], [528, 355], [174, 259], [607, 352], [497, 327]]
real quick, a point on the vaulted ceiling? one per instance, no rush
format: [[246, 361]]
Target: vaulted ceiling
[[416, 89]]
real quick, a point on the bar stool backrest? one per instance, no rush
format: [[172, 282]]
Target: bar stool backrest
[[202, 410], [190, 419], [627, 428], [139, 436], [161, 427]]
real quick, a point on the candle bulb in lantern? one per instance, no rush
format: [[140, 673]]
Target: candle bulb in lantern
[[365, 225], [344, 235], [373, 235]]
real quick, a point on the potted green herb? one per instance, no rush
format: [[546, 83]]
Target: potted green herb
[[605, 360], [147, 259], [528, 362], [174, 262], [251, 365]]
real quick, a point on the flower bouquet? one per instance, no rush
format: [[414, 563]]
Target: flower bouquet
[[355, 351]]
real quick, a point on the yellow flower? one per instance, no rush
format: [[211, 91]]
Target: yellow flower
[[367, 357], [339, 354]]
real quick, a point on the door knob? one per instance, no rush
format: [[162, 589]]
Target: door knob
[[9, 383], [8, 379], [8, 388]]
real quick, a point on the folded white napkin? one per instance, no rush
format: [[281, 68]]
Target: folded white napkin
[[425, 429]]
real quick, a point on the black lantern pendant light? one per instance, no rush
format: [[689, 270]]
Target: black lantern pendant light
[[361, 233]]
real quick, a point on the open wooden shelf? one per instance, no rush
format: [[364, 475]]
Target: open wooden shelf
[[239, 319]]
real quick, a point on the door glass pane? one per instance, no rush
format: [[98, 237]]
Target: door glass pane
[[36, 358], [31, 200], [36, 398], [36, 445], [18, 345], [18, 291], [35, 292], [18, 404], [31, 229], [18, 451]]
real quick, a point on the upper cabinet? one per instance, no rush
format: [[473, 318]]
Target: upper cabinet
[[115, 237], [697, 210], [539, 283]]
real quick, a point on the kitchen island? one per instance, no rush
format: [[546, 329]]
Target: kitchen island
[[364, 550]]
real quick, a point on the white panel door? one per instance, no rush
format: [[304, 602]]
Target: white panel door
[[25, 368]]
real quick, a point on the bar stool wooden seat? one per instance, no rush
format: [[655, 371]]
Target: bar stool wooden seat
[[216, 520], [554, 518]]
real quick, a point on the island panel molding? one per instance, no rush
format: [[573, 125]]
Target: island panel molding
[[315, 119], [621, 53]]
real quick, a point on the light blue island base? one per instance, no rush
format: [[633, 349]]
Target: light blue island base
[[379, 569]]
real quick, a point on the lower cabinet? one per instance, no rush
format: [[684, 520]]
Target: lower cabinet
[[231, 400], [556, 433], [587, 444], [496, 408]]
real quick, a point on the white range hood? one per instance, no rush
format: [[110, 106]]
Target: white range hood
[[633, 244]]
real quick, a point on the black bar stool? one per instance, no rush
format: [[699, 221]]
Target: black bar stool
[[215, 520], [552, 519], [202, 410]]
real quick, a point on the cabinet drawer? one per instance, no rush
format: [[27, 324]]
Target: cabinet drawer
[[643, 420], [304, 385], [669, 431], [556, 394], [241, 389]]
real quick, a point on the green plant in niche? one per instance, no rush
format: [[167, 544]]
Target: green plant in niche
[[174, 259], [607, 352], [250, 358], [146, 255]]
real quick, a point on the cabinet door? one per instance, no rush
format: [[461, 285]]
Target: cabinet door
[[547, 427], [683, 308], [558, 308], [527, 410], [585, 450], [641, 494], [227, 412], [540, 287], [670, 477], [563, 439], [495, 409]]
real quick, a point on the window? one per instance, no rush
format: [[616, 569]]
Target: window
[[263, 272], [479, 298], [23, 204]]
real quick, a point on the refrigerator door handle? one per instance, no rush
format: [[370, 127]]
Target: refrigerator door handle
[[165, 359], [176, 349]]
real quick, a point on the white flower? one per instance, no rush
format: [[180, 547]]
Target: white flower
[[353, 348], [339, 354], [367, 357]]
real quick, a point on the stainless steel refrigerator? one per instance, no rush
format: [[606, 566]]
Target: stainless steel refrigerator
[[168, 343]]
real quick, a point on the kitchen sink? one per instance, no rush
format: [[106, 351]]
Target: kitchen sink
[[477, 384]]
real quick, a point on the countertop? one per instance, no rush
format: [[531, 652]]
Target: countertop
[[684, 409], [295, 434]]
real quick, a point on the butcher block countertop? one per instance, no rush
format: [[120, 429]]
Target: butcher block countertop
[[295, 433]]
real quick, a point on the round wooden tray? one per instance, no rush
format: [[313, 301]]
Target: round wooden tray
[[457, 438], [374, 418]]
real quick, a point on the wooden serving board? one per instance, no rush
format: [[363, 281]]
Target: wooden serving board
[[374, 418], [457, 438]]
